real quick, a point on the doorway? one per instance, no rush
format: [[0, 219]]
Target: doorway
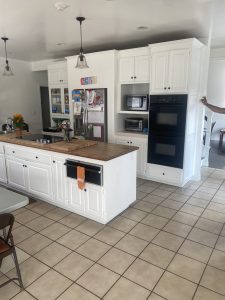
[[45, 107]]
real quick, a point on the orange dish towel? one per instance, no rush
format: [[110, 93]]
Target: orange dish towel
[[81, 177]]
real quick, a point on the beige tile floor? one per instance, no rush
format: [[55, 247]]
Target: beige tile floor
[[170, 244]]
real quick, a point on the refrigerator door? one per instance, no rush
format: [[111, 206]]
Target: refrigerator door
[[90, 113]]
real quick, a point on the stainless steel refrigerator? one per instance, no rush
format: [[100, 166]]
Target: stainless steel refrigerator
[[90, 113]]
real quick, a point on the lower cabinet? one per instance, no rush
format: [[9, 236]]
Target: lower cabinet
[[165, 174], [16, 172], [35, 178], [59, 180], [39, 181], [88, 201], [3, 177], [141, 143]]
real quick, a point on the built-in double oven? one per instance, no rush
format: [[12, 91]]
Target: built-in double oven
[[167, 122]]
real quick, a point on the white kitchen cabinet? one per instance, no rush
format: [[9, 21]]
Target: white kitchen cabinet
[[3, 177], [141, 153], [59, 100], [39, 180], [165, 174], [169, 71], [93, 196], [88, 202], [58, 91], [134, 66], [16, 172], [59, 179], [57, 73], [75, 197], [34, 177]]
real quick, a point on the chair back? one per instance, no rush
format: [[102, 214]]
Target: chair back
[[6, 223]]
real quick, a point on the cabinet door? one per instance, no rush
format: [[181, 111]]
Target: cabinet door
[[93, 200], [59, 180], [57, 76], [2, 169], [56, 100], [159, 73], [127, 69], [74, 195], [141, 155], [16, 172], [141, 68], [54, 76], [39, 180], [178, 71]]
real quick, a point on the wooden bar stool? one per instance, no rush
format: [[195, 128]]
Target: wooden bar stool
[[7, 246], [222, 132]]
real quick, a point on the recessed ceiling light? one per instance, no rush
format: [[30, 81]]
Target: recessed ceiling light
[[61, 6], [60, 44], [142, 28]]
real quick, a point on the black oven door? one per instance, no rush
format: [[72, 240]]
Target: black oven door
[[166, 151], [167, 114]]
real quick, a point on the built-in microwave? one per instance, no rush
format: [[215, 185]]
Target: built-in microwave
[[136, 102], [136, 124]]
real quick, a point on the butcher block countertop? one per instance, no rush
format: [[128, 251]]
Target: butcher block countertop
[[83, 148]]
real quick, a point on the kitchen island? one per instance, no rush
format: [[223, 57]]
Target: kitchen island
[[41, 171]]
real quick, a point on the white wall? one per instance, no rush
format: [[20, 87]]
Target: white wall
[[216, 91], [103, 66], [21, 93]]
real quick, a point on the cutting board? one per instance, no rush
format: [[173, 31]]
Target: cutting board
[[73, 145]]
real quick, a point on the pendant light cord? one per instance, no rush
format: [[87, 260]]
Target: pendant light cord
[[81, 40], [6, 57]]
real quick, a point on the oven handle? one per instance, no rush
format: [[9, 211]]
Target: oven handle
[[90, 170]]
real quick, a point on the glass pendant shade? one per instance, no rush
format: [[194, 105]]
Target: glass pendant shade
[[7, 71], [81, 62]]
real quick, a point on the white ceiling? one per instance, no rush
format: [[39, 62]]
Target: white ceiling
[[35, 27]]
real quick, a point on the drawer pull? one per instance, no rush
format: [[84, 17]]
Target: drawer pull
[[163, 173]]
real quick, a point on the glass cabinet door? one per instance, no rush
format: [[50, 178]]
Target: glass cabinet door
[[66, 101], [56, 100]]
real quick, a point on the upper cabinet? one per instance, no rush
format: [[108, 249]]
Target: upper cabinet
[[57, 73], [172, 66], [58, 90], [134, 65]]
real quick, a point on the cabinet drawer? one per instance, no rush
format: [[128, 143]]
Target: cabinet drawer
[[30, 155], [163, 173], [1, 148]]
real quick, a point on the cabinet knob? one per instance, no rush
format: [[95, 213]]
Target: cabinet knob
[[130, 142], [85, 190], [36, 157], [164, 88], [132, 77], [135, 77], [53, 161], [13, 151], [169, 88], [163, 173]]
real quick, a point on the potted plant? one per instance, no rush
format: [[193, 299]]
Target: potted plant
[[18, 122]]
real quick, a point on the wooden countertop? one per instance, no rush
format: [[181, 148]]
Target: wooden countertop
[[99, 151]]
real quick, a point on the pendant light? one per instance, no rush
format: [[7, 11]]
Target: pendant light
[[81, 60], [7, 69]]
